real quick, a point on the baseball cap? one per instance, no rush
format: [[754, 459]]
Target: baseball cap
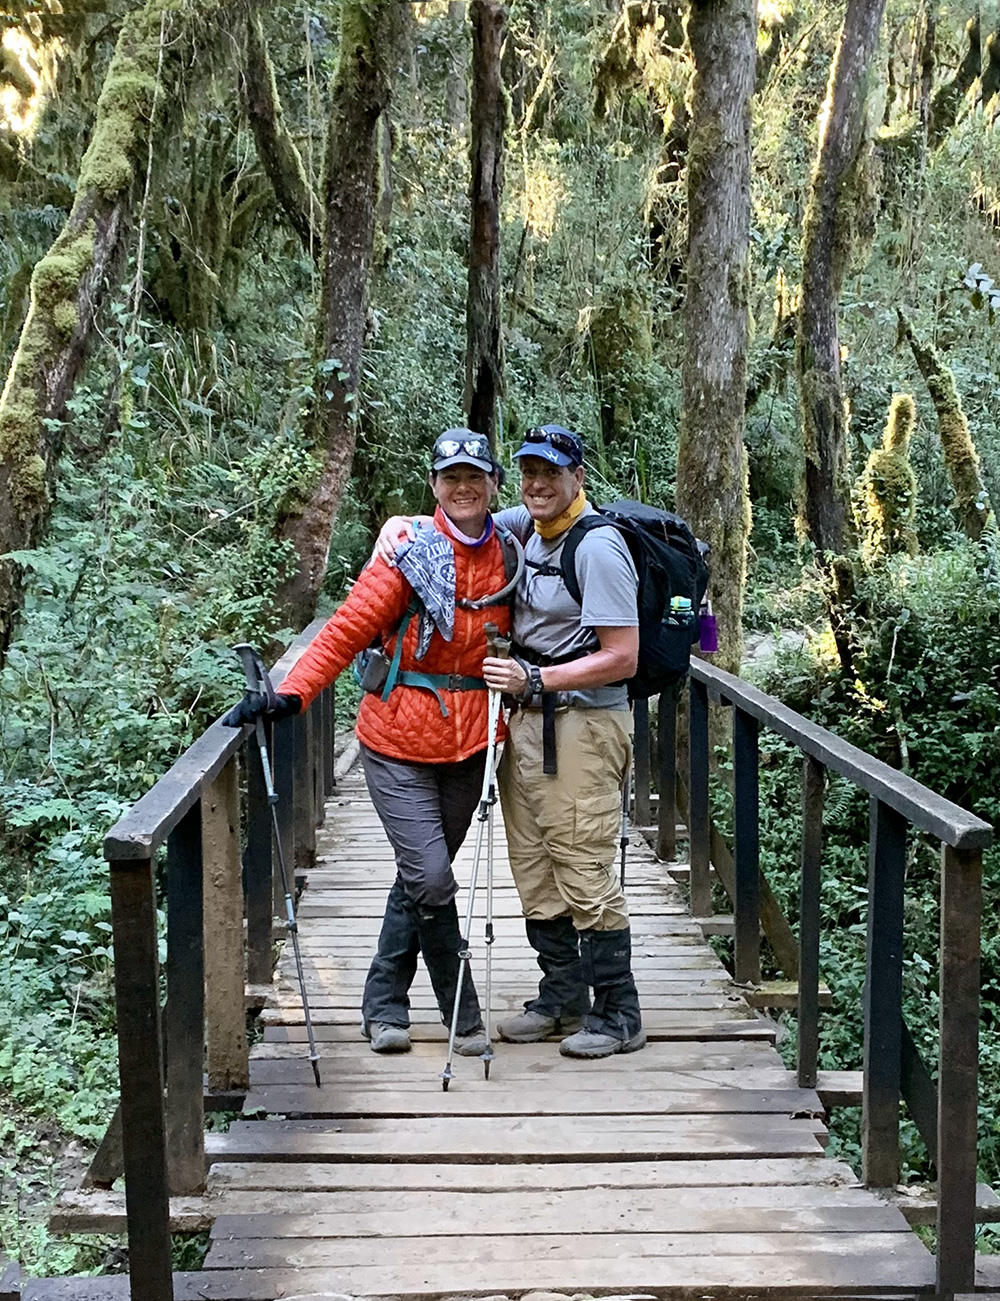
[[462, 447], [552, 443]]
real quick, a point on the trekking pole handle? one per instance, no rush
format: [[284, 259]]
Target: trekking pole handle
[[497, 645], [255, 672]]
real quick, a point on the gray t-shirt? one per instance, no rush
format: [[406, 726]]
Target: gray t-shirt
[[549, 621]]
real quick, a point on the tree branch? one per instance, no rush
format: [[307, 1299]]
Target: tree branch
[[275, 146]]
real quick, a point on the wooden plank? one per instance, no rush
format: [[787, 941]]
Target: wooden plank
[[185, 1009], [703, 1030], [299, 1178], [535, 1061], [813, 790], [338, 1100], [961, 908], [775, 1208], [783, 994], [655, 1021], [225, 1016], [883, 1018], [599, 1263], [140, 1069], [258, 861], [463, 1138], [746, 848]]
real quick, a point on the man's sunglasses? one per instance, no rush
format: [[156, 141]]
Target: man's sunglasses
[[477, 447], [562, 442]]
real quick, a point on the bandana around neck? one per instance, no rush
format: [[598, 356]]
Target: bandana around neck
[[552, 528]]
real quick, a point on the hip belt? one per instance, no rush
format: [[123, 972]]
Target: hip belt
[[438, 682]]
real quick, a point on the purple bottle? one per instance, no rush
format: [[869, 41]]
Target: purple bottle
[[708, 636]]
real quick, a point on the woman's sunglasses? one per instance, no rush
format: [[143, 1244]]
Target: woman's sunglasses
[[477, 447]]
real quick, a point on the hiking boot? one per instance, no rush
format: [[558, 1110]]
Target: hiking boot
[[531, 1027], [589, 1043], [473, 1044], [386, 1038]]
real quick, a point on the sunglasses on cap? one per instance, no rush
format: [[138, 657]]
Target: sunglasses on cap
[[561, 439], [477, 446]]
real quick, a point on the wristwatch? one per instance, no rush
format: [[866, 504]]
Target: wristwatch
[[534, 680]]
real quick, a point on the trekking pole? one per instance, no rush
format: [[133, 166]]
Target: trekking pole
[[258, 680], [624, 829], [501, 647]]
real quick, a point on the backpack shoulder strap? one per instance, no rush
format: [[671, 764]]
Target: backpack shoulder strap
[[567, 559], [390, 681]]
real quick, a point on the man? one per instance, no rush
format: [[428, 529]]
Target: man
[[567, 672]]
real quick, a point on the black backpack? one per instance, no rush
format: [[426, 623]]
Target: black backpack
[[673, 578]]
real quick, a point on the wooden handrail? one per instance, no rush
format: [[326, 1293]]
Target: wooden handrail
[[149, 821], [194, 810], [946, 1115], [921, 807]]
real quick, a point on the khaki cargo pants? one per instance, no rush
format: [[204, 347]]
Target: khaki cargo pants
[[562, 830]]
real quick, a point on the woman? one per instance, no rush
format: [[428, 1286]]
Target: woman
[[422, 725]]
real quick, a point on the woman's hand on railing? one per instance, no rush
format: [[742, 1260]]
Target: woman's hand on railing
[[254, 706]]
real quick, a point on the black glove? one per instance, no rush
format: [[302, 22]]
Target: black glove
[[254, 706]]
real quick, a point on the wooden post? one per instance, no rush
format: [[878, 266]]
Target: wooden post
[[186, 1006], [883, 997], [259, 867], [666, 762], [746, 849], [282, 748], [316, 758], [140, 1068], [699, 829], [641, 810], [331, 754], [813, 776], [304, 792], [961, 907], [228, 1054]]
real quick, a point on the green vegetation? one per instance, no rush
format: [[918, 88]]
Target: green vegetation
[[184, 447]]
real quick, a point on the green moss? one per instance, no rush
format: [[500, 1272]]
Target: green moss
[[19, 453], [971, 504], [65, 319], [885, 494], [56, 278]]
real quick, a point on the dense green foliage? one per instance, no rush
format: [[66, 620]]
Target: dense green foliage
[[185, 444]]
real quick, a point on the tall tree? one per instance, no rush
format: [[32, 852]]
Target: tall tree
[[68, 283], [484, 343], [370, 40], [829, 238], [711, 459]]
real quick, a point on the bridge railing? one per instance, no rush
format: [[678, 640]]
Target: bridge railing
[[945, 1111], [220, 882]]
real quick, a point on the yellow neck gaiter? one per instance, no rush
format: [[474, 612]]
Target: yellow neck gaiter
[[562, 522]]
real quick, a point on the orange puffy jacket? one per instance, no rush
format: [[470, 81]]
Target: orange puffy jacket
[[410, 725]]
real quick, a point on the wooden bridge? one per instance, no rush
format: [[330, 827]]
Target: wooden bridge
[[695, 1168]]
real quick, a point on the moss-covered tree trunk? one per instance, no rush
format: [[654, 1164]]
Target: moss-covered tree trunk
[[484, 345], [711, 459], [362, 85], [275, 147], [68, 283], [972, 503], [826, 249]]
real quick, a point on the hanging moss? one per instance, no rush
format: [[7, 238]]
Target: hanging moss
[[885, 494], [972, 503]]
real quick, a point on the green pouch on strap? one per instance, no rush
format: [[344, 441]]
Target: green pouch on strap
[[438, 682]]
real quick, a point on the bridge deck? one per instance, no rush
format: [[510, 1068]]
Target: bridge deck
[[694, 1166]]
